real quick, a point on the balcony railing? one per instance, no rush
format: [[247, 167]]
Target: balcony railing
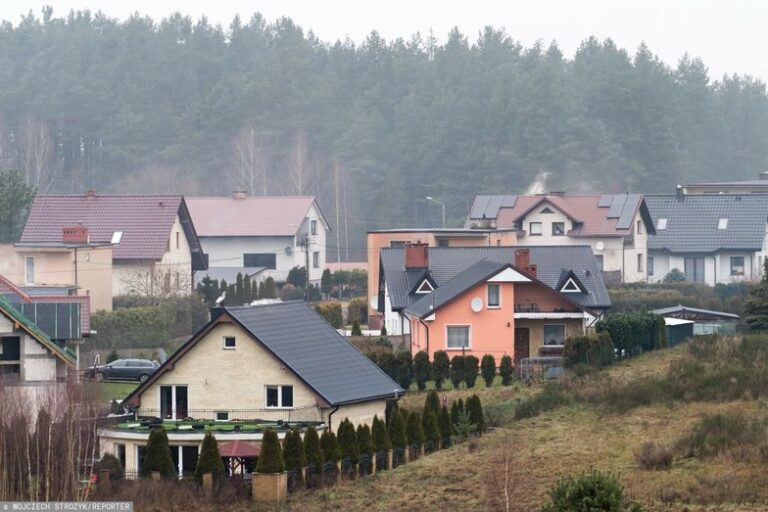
[[265, 415]]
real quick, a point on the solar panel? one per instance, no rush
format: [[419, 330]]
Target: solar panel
[[617, 206], [605, 201], [628, 213]]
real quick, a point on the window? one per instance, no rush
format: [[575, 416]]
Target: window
[[457, 337], [494, 296], [173, 402], [534, 228], [222, 416], [554, 334], [443, 242], [599, 258], [722, 224], [120, 454], [230, 342], [558, 228], [640, 262], [280, 396], [639, 227], [313, 227], [737, 265], [661, 224], [570, 286], [650, 265], [177, 239], [266, 260], [694, 270], [29, 275], [316, 259], [425, 287], [546, 210]]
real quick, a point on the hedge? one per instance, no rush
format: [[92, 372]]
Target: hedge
[[634, 333], [357, 310], [331, 311], [591, 349]]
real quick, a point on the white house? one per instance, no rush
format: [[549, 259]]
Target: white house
[[273, 233]]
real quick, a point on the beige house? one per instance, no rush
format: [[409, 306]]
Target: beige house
[[250, 367]]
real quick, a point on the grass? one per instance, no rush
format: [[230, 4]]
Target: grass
[[115, 390]]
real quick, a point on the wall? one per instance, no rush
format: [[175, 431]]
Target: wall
[[573, 327], [225, 380], [39, 365], [358, 414], [94, 276], [717, 267]]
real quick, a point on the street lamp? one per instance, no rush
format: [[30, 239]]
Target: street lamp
[[442, 205]]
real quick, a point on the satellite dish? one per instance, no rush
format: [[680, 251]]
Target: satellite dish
[[288, 250], [374, 303], [476, 304], [600, 246]]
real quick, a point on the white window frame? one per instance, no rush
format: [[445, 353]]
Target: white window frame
[[544, 335], [570, 286], [313, 227], [279, 396], [530, 228], [553, 229], [173, 399], [316, 259], [639, 227], [640, 259], [29, 277], [469, 337], [649, 266], [225, 413], [224, 343], [743, 266], [425, 287], [488, 296]]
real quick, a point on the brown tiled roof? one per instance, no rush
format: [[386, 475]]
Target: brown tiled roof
[[249, 216], [145, 221]]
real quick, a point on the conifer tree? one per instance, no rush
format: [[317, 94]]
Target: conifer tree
[[444, 423], [312, 449], [356, 329], [457, 408], [421, 369], [209, 460], [432, 430], [475, 409], [432, 402], [330, 447], [239, 296], [457, 371], [270, 291], [404, 369], [262, 290], [471, 369], [397, 434], [271, 456], [158, 455], [247, 290], [414, 429], [364, 440], [380, 435], [488, 369], [293, 453], [756, 307], [348, 441], [441, 368], [506, 370]]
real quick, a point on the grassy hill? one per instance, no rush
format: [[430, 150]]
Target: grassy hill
[[702, 405]]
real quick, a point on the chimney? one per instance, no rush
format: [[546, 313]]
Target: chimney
[[74, 235], [764, 175], [416, 256], [90, 193], [239, 194], [522, 258], [680, 192], [531, 269]]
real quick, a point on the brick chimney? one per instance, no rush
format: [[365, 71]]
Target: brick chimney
[[523, 261], [416, 255], [239, 194], [74, 235], [90, 193]]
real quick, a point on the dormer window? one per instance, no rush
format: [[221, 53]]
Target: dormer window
[[425, 287], [661, 224], [722, 224], [570, 286]]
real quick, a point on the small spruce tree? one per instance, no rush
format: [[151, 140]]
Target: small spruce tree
[[457, 407], [356, 331], [312, 449], [421, 369], [330, 446], [348, 441], [506, 370], [397, 434], [441, 368], [293, 453], [247, 289], [457, 371], [271, 456], [364, 440], [380, 435], [475, 409], [209, 460], [471, 369], [488, 369], [157, 456], [239, 290], [444, 423], [464, 427]]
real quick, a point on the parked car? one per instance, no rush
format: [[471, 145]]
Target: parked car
[[123, 369]]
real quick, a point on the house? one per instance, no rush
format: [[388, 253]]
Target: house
[[758, 186], [709, 238], [28, 356], [433, 237], [155, 248], [496, 300], [271, 233], [278, 365], [615, 226], [72, 266]]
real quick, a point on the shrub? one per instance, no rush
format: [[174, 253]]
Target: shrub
[[389, 410], [364, 440], [444, 424], [674, 276], [718, 433], [271, 456], [356, 329], [506, 370], [421, 369], [475, 409], [432, 402], [293, 453], [297, 276], [457, 371], [441, 368], [383, 331], [432, 430], [330, 447], [414, 429], [590, 491], [145, 326], [457, 408], [348, 441], [357, 310], [109, 463], [471, 370], [388, 364], [270, 290], [331, 311], [312, 450], [653, 456], [404, 369], [464, 426], [209, 460], [157, 456], [591, 349], [112, 356], [633, 333], [397, 434], [380, 435], [551, 397], [488, 369]]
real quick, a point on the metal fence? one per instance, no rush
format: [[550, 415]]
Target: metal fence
[[299, 414]]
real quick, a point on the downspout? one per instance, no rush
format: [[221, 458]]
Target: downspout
[[426, 330], [329, 417]]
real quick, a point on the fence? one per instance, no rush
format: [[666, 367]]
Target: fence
[[298, 414]]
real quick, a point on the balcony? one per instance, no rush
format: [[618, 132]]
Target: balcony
[[250, 416]]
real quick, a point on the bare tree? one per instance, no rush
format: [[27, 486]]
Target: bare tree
[[251, 161], [36, 148], [157, 283], [299, 167]]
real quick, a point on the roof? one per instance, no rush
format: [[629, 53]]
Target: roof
[[238, 448], [692, 222], [682, 310], [33, 330], [229, 274], [445, 263], [145, 222], [29, 297], [306, 344], [251, 216], [592, 215]]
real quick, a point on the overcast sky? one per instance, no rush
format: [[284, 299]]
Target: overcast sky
[[730, 36]]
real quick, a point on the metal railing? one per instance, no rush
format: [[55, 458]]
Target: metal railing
[[266, 415]]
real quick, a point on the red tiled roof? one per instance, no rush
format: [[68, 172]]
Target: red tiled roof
[[238, 448], [248, 216], [145, 221]]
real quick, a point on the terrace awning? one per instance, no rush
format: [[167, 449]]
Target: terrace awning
[[242, 449]]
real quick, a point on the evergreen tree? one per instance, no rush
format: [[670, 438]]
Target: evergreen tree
[[432, 430], [247, 290], [326, 282], [380, 435], [404, 369], [297, 276], [414, 430], [348, 441], [330, 447], [157, 456], [476, 416], [756, 308], [488, 369], [397, 434], [389, 410], [224, 287], [209, 460], [441, 368], [356, 329], [457, 408], [270, 292], [364, 440], [471, 370], [271, 456], [421, 369], [389, 365], [15, 200], [444, 423], [262, 290], [383, 331], [312, 449], [112, 356], [457, 371], [432, 402], [239, 290], [293, 452], [506, 370]]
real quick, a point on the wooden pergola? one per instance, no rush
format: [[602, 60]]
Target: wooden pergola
[[237, 454]]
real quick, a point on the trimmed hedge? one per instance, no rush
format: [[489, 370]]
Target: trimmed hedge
[[471, 369], [506, 370], [331, 311], [634, 333], [357, 310], [312, 450], [591, 349]]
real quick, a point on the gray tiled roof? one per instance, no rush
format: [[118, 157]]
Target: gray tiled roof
[[447, 262], [686, 309], [692, 222], [315, 352]]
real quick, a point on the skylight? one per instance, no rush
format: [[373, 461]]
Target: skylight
[[661, 224], [722, 224]]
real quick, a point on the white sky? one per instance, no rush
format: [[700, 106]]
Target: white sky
[[730, 36]]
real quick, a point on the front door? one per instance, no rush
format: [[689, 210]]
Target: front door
[[522, 343]]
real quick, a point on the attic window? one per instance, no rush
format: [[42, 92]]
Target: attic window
[[722, 224], [116, 237], [570, 286], [425, 287], [661, 224], [546, 209]]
